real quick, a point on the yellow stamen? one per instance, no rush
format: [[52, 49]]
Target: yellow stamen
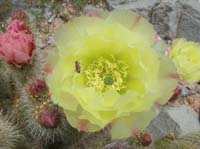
[[104, 74]]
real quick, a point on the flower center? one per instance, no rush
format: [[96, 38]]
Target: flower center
[[104, 75]]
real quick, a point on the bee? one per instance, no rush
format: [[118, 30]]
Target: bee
[[77, 67]]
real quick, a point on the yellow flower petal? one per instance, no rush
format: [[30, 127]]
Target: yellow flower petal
[[137, 24], [124, 126]]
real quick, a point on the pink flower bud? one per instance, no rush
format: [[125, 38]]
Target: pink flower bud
[[49, 117], [38, 87], [17, 48], [145, 139], [17, 26], [19, 15]]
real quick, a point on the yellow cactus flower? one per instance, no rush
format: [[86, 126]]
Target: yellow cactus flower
[[186, 57], [107, 72]]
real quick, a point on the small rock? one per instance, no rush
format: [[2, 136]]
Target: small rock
[[164, 18], [178, 120], [142, 7], [189, 27], [50, 20], [186, 91], [91, 8]]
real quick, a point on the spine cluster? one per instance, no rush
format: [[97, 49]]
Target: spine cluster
[[9, 132]]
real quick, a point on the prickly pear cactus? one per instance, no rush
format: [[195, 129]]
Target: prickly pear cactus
[[24, 93], [45, 121]]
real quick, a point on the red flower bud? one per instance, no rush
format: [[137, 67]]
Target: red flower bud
[[19, 15], [38, 88], [17, 26], [177, 92], [49, 117], [145, 139]]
